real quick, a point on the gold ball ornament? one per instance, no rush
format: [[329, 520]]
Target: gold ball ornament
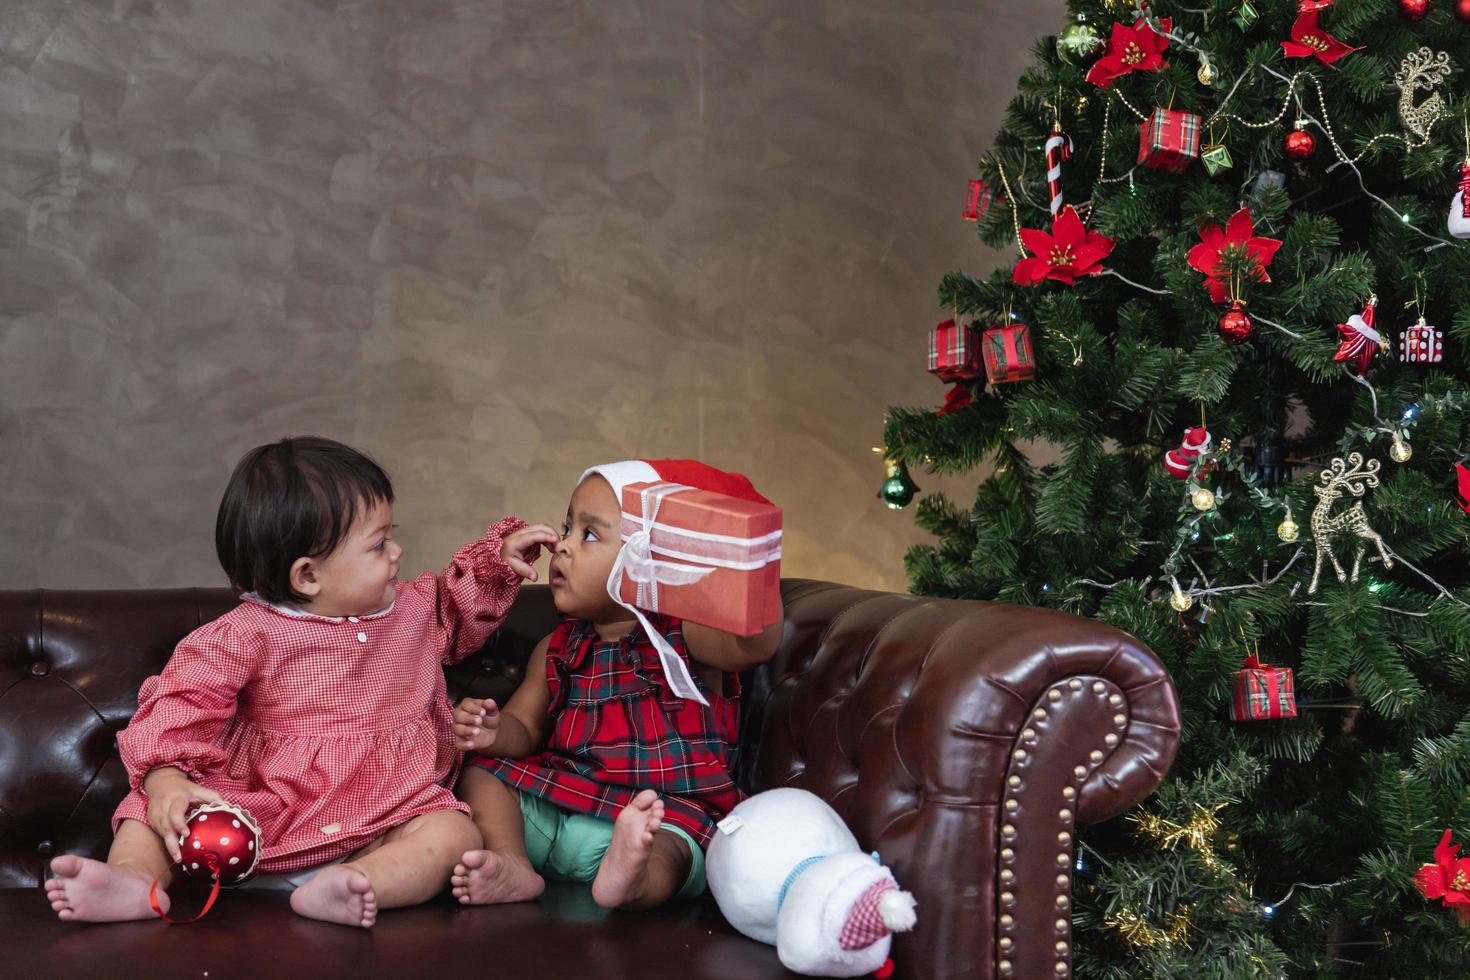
[[1207, 74], [1181, 600], [1203, 499], [1400, 451], [1288, 531]]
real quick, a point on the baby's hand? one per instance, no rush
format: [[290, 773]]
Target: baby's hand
[[476, 723], [170, 794], [523, 547]]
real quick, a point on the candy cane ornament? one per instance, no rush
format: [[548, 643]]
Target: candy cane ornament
[[1058, 150]]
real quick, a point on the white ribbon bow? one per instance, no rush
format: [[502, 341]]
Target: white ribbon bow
[[636, 561]]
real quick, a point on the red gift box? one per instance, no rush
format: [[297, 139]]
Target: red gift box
[[954, 351], [701, 556], [1169, 140], [1008, 353], [1262, 692], [977, 200], [1422, 343]]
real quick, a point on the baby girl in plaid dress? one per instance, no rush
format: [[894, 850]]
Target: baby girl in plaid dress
[[595, 769], [318, 704]]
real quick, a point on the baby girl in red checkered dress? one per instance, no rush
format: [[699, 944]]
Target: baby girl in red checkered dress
[[595, 769], [318, 704]]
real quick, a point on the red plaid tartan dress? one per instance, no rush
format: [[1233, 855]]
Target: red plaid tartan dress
[[617, 729], [329, 730]]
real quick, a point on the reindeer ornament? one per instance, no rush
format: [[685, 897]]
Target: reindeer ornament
[[1325, 527]]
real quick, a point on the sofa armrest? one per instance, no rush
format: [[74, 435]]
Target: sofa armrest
[[963, 741]]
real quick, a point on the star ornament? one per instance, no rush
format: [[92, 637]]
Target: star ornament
[[1135, 48], [1309, 40], [1068, 253], [1447, 880], [1220, 248], [1359, 338]]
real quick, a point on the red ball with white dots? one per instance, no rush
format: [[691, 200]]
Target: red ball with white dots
[[1300, 144], [221, 839], [1414, 9]]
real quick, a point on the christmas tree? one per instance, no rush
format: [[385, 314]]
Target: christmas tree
[[1240, 312]]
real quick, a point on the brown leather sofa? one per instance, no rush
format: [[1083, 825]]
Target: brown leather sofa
[[962, 740]]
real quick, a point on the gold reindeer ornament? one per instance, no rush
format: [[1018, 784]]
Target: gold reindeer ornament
[[1355, 478], [1423, 69]]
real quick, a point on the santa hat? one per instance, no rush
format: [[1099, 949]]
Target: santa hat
[[689, 472]]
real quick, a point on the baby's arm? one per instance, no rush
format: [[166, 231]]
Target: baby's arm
[[731, 653], [517, 731], [472, 595], [172, 742]]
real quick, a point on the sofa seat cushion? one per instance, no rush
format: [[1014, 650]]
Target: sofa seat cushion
[[255, 934]]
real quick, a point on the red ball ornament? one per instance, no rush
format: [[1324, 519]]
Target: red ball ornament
[[1462, 10], [1235, 326], [1300, 144], [222, 840], [1414, 9]]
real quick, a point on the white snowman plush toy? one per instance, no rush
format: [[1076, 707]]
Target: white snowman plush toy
[[785, 870]]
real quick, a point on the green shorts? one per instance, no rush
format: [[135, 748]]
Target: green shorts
[[569, 846]]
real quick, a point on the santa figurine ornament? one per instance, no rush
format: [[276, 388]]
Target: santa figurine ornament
[[1180, 462], [1459, 219], [220, 844], [785, 870]]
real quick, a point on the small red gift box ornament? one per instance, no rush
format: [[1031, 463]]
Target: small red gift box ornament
[[1169, 140], [1008, 353], [977, 200], [954, 351], [1422, 343], [1262, 692]]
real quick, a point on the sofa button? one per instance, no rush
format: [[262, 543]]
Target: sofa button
[[45, 849], [40, 668]]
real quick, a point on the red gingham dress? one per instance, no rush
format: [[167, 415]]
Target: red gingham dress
[[617, 728], [329, 730]]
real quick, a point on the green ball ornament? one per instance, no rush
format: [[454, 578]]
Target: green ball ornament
[[898, 487], [1078, 41]]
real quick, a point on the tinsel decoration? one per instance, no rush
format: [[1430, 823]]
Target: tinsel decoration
[[1198, 834], [1138, 931]]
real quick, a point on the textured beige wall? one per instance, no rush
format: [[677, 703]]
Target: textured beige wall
[[489, 242]]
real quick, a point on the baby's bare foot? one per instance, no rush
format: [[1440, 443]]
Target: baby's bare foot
[[620, 876], [84, 890], [338, 894], [490, 878]]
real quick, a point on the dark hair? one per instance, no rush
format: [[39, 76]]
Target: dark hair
[[287, 500]]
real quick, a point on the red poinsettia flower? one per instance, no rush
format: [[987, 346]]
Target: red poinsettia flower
[[1237, 237], [1309, 40], [1136, 48], [1068, 252], [1447, 879]]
